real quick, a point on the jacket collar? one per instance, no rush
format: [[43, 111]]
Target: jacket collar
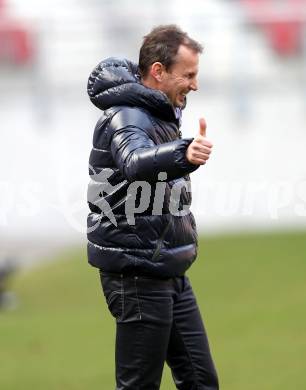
[[116, 82]]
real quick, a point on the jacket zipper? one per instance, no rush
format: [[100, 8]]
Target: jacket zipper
[[160, 242]]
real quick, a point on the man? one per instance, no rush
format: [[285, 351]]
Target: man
[[141, 234]]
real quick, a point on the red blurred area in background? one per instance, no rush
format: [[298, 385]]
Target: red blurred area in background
[[16, 44], [283, 30]]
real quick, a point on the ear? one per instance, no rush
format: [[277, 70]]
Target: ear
[[157, 71]]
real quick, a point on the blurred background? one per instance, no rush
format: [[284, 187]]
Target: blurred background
[[249, 201]]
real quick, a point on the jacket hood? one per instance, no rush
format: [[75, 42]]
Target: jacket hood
[[116, 82]]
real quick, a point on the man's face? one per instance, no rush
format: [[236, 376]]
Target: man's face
[[181, 78]]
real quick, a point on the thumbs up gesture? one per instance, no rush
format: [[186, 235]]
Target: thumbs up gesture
[[199, 150]]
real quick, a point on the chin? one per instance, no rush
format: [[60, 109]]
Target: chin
[[179, 104]]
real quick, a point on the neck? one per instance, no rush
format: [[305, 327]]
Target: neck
[[149, 82]]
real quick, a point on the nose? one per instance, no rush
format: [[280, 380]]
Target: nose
[[194, 85]]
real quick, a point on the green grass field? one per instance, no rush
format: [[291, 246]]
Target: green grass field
[[252, 294]]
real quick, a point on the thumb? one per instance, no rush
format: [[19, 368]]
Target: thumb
[[202, 127]]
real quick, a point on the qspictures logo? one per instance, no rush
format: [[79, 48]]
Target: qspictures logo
[[100, 188]]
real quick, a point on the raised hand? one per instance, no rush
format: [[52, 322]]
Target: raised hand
[[199, 150]]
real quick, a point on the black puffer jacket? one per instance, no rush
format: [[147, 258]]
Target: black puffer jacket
[[137, 138]]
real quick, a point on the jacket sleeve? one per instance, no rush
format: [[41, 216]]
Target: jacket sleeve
[[138, 157]]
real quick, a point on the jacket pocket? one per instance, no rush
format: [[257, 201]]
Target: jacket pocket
[[114, 295], [160, 242]]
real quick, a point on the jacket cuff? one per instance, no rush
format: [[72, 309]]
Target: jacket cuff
[[180, 156]]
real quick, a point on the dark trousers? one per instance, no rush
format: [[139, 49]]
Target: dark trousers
[[157, 321]]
